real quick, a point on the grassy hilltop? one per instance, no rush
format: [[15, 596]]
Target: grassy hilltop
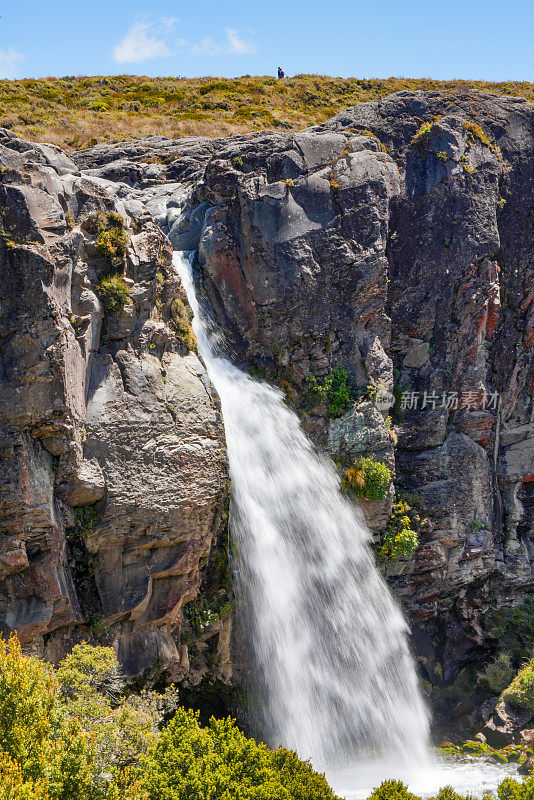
[[76, 112]]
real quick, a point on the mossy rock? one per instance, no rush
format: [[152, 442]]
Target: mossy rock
[[475, 748], [520, 693], [181, 317], [513, 754], [449, 749]]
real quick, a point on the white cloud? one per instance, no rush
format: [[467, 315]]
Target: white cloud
[[206, 47], [146, 39], [238, 45], [234, 44], [9, 62], [149, 37]]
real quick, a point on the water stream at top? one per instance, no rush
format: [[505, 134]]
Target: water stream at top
[[334, 678]]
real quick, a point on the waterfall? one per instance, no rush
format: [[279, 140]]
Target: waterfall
[[334, 676]]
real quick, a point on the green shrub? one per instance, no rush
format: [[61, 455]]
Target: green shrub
[[520, 692], [91, 685], [85, 518], [477, 132], [181, 316], [214, 86], [497, 675], [513, 628], [367, 479], [114, 293], [111, 240], [204, 610], [448, 793], [337, 389], [514, 790], [392, 790], [399, 540], [13, 786], [422, 136], [67, 734], [299, 777], [38, 745], [219, 761], [99, 105], [85, 670]]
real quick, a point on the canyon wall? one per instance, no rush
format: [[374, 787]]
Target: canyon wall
[[396, 240], [113, 479]]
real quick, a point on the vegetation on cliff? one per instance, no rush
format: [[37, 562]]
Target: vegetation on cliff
[[367, 479], [400, 540], [520, 693], [181, 317], [111, 241], [77, 112], [114, 293], [512, 629]]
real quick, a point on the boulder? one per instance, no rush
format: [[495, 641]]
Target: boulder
[[526, 767], [505, 725]]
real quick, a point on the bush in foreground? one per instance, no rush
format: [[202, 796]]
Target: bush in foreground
[[509, 789], [219, 761], [69, 734], [43, 751]]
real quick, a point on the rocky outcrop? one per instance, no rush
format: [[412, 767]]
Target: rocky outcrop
[[113, 457], [505, 725]]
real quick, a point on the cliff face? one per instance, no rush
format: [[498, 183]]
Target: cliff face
[[113, 479], [397, 240]]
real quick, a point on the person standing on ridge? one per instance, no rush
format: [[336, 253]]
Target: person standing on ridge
[[280, 73]]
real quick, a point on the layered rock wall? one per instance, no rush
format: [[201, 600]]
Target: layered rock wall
[[113, 456]]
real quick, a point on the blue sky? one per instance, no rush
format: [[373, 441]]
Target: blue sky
[[478, 39]]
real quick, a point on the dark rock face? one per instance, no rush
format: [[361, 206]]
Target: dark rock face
[[113, 479], [398, 240]]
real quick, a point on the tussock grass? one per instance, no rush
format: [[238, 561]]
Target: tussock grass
[[77, 112]]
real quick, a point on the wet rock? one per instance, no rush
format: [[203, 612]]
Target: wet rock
[[526, 767], [527, 737], [505, 724]]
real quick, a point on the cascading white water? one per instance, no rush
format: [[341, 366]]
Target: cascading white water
[[335, 677]]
